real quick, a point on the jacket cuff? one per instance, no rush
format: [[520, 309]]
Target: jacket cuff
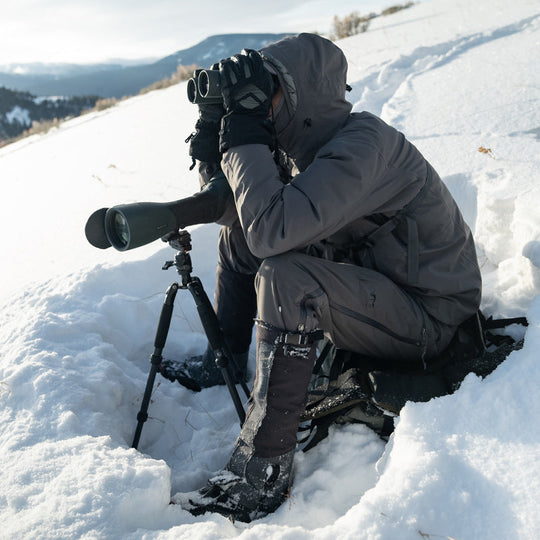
[[240, 129]]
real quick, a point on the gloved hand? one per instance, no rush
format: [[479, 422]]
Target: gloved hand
[[204, 143], [247, 89]]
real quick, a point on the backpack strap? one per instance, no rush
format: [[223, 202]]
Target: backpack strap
[[365, 244], [496, 324], [491, 323], [329, 348]]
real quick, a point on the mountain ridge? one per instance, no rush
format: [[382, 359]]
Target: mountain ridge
[[116, 81], [70, 89]]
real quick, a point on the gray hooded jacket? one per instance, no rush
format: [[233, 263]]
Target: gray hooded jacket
[[351, 173]]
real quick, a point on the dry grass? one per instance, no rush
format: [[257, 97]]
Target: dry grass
[[354, 23], [183, 73], [398, 7], [351, 24]]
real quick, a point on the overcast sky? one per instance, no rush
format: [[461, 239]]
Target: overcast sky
[[87, 31]]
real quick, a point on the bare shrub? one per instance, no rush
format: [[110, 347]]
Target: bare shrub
[[41, 127], [354, 23], [349, 25], [105, 103]]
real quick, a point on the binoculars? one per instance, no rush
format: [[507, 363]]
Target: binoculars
[[205, 87]]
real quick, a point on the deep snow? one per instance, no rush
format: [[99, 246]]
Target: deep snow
[[77, 324]]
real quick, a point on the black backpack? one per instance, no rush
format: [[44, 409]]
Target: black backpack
[[348, 387]]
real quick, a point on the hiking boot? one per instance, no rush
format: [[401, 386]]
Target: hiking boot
[[245, 490], [200, 371], [257, 477]]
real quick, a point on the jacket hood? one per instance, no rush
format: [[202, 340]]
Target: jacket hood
[[313, 75]]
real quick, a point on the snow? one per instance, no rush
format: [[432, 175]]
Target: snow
[[77, 324], [20, 115]]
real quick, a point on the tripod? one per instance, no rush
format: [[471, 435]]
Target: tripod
[[181, 240]]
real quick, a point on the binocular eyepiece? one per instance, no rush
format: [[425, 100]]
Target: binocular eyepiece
[[205, 87]]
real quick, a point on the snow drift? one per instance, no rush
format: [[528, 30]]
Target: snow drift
[[77, 324]]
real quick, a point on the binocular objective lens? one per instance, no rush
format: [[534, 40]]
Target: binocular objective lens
[[192, 90], [203, 83]]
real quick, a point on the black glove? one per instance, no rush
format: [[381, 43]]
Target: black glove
[[247, 89], [204, 143]]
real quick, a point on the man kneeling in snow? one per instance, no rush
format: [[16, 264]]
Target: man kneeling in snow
[[341, 226]]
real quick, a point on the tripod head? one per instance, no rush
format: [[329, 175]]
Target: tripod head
[[181, 241]]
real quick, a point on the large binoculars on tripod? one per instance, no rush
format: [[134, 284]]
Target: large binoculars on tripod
[[128, 226], [205, 86]]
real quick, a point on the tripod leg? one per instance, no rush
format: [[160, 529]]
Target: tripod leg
[[221, 362], [217, 342], [156, 358]]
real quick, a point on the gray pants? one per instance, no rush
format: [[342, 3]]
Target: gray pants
[[359, 309]]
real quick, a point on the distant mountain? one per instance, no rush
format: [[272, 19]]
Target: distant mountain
[[112, 80], [215, 48], [68, 70]]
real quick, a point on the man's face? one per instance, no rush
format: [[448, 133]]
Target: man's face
[[276, 101]]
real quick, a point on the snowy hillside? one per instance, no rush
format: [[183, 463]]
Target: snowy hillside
[[77, 324]]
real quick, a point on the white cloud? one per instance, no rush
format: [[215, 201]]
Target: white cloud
[[88, 31]]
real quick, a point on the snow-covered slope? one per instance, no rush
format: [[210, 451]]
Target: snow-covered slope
[[77, 324]]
